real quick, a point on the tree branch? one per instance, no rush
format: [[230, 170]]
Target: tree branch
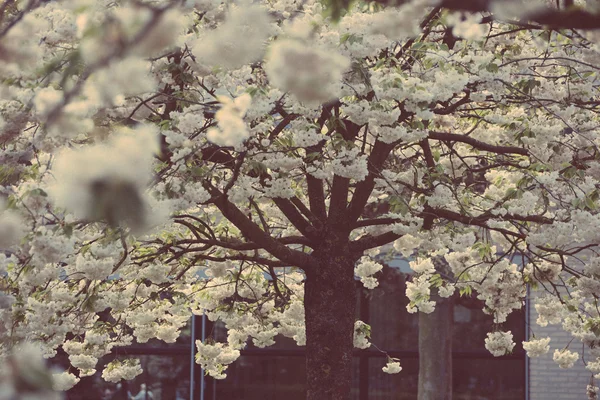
[[453, 137], [339, 202], [555, 19], [369, 242], [252, 231], [364, 188], [293, 215]]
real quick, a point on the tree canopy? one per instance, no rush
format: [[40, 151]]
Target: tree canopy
[[249, 160]]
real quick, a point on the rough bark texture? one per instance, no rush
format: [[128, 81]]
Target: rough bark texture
[[435, 352], [330, 302]]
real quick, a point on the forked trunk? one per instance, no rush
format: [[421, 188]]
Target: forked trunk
[[330, 302]]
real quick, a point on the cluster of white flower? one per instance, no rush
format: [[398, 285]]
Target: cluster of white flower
[[549, 309], [400, 23], [350, 164], [594, 367], [118, 370], [499, 343], [64, 381], [362, 334], [422, 266], [418, 291], [279, 188], [392, 366], [365, 268], [565, 358], [537, 347], [232, 129], [215, 358], [592, 392], [111, 85]]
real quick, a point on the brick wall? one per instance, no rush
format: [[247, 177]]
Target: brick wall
[[547, 381]]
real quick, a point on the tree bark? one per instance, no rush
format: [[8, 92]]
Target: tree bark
[[435, 351], [330, 310]]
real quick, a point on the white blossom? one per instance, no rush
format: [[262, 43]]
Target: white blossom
[[499, 343], [565, 358], [64, 381], [537, 347], [392, 367], [365, 269], [362, 334], [232, 129], [117, 370]]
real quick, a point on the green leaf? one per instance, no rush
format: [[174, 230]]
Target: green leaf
[[336, 8], [436, 280], [89, 303], [589, 203], [68, 230], [492, 68], [38, 192], [198, 171]]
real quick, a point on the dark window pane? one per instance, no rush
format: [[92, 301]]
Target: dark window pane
[[264, 378], [401, 386], [489, 379], [393, 327], [164, 378]]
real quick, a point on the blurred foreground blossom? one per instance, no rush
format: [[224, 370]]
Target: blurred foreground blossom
[[232, 130], [11, 228], [107, 181], [24, 375], [312, 74], [239, 40]]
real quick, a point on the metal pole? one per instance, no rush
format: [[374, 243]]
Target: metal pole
[[192, 337], [527, 311], [203, 337]]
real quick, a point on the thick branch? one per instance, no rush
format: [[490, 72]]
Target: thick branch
[[339, 201], [293, 215], [375, 221], [281, 125], [430, 161], [370, 242], [306, 212], [247, 246], [253, 232], [481, 220], [316, 197], [556, 19], [453, 137], [363, 190], [315, 191], [452, 107]]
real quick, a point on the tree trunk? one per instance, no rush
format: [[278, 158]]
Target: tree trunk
[[330, 310], [435, 351]]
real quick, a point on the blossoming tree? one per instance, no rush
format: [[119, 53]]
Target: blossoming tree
[[163, 158]]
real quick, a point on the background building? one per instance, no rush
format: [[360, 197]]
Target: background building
[[278, 372]]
